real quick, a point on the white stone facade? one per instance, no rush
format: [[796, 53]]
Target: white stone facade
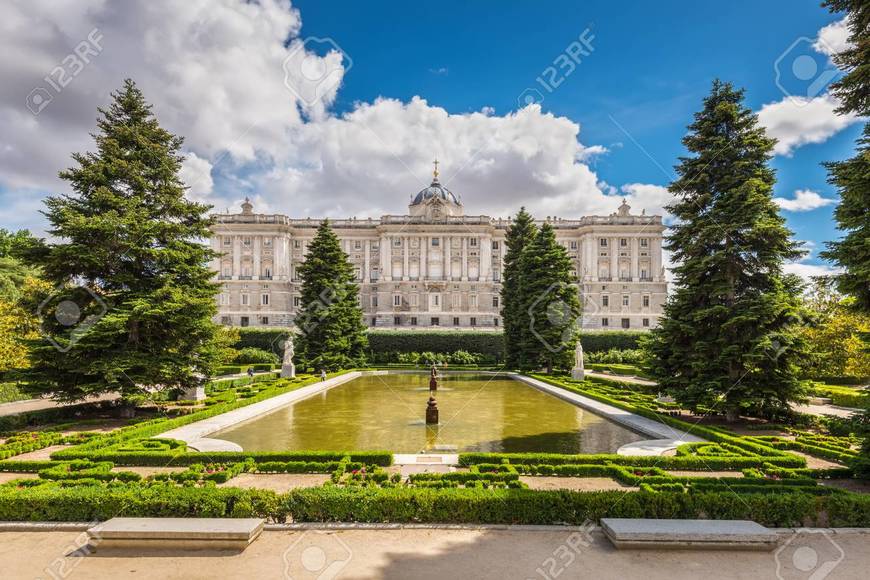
[[436, 267]]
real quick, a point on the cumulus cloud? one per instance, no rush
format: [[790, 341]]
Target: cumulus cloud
[[796, 121], [804, 200], [807, 271], [833, 38], [236, 79]]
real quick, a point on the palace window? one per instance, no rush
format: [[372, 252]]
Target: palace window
[[645, 322], [264, 320], [228, 241], [573, 244], [495, 245], [223, 299], [244, 321], [267, 242], [623, 242], [603, 242], [245, 299], [297, 301], [605, 322], [297, 244], [374, 301], [472, 301], [625, 300], [246, 241], [495, 321], [436, 242], [264, 299], [436, 321], [473, 321], [397, 300], [397, 242], [644, 242], [646, 301], [626, 323], [227, 320], [436, 300], [267, 272], [397, 321], [413, 321], [413, 300], [472, 242], [605, 300], [495, 301], [455, 321], [357, 244], [457, 300]]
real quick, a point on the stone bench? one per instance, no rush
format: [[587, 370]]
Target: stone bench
[[176, 533], [688, 534]]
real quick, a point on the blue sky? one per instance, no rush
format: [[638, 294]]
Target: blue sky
[[419, 81]]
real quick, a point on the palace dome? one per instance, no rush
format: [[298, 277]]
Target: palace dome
[[435, 191]]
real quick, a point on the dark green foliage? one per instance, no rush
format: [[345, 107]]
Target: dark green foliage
[[130, 258], [330, 321], [270, 339], [551, 302], [520, 234], [853, 89], [251, 355], [728, 336], [489, 344]]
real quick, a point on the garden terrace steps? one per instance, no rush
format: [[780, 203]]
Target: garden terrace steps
[[176, 533], [688, 534]]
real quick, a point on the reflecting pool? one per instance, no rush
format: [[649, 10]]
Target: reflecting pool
[[477, 413]]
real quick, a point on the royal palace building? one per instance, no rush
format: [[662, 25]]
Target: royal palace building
[[436, 266]]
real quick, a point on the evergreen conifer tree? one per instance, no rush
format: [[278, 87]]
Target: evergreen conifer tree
[[551, 303], [728, 337], [133, 297], [330, 321], [520, 234]]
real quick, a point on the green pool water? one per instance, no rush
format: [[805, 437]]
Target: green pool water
[[477, 413]]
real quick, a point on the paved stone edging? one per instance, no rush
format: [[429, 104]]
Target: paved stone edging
[[82, 526], [628, 419], [201, 429]]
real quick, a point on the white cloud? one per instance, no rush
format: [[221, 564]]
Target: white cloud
[[804, 200], [807, 271], [196, 175], [214, 72], [796, 121], [833, 38]]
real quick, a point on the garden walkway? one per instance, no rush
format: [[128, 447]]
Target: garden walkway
[[41, 404]]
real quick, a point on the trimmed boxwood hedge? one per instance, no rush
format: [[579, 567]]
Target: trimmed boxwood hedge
[[453, 505]]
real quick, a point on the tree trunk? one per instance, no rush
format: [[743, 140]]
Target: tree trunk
[[732, 414]]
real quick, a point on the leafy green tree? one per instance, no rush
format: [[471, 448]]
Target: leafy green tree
[[330, 321], [728, 337], [15, 268], [520, 234], [551, 302], [133, 299]]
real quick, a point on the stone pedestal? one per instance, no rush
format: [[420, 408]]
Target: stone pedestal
[[433, 384], [432, 412], [193, 393], [288, 370], [578, 374]]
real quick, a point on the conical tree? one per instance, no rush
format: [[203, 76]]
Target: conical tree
[[520, 234], [852, 177], [727, 339], [551, 303], [332, 334], [134, 301]]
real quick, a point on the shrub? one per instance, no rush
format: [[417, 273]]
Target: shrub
[[252, 355], [490, 345]]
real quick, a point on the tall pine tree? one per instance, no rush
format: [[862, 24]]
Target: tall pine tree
[[551, 303], [332, 335], [134, 301], [852, 177], [727, 338], [520, 234]]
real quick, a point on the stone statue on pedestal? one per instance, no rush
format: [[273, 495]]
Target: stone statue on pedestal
[[288, 369], [578, 373]]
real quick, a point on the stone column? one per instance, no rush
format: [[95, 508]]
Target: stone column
[[656, 262], [216, 242], [367, 254], [424, 250], [406, 272], [614, 258], [448, 257], [485, 258], [635, 257], [256, 273], [464, 259], [386, 259], [237, 257], [445, 258]]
